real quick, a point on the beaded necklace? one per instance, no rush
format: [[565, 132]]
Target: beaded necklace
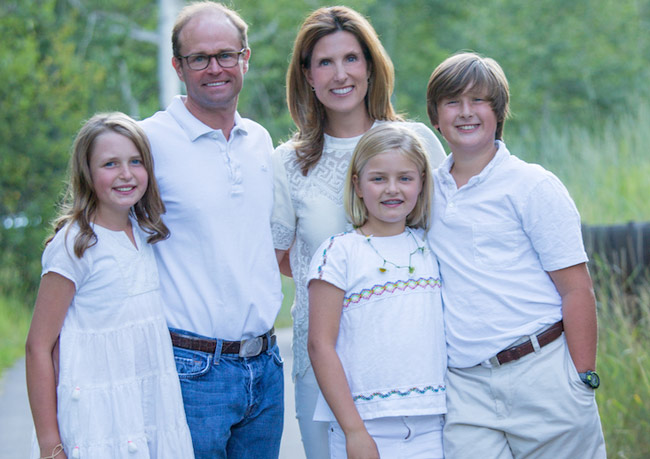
[[383, 268]]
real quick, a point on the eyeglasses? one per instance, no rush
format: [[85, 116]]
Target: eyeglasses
[[225, 59]]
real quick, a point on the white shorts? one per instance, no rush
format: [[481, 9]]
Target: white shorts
[[399, 437], [534, 407]]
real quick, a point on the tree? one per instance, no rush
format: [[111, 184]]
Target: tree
[[68, 59], [565, 60], [43, 96], [60, 69]]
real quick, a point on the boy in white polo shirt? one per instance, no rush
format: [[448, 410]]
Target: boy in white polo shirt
[[519, 307]]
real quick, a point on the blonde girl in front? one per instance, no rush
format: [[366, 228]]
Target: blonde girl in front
[[101, 377], [376, 336]]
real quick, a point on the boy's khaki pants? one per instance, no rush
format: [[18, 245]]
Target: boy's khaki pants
[[535, 407]]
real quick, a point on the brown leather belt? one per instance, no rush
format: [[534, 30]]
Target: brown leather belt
[[516, 352], [245, 348]]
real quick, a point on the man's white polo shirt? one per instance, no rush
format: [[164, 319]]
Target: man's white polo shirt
[[218, 270]]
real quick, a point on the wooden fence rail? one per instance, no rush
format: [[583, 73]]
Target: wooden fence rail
[[624, 248]]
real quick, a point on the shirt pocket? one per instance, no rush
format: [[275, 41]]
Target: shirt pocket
[[498, 246]]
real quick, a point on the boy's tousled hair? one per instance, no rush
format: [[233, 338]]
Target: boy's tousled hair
[[80, 202], [470, 71], [307, 112], [381, 139]]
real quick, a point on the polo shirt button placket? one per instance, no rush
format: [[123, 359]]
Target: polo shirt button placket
[[451, 208]]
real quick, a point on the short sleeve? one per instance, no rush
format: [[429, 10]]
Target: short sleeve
[[283, 218], [552, 222], [329, 263], [58, 257], [431, 144]]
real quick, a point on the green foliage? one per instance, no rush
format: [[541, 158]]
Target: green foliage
[[288, 290], [271, 38], [415, 34], [572, 64], [44, 95], [605, 166], [57, 72], [564, 60], [14, 323], [624, 363], [580, 100]]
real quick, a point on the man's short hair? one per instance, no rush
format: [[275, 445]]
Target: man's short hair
[[198, 8]]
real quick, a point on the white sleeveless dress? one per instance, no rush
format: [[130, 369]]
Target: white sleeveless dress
[[118, 392]]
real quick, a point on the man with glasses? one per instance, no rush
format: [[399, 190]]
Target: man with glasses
[[218, 272]]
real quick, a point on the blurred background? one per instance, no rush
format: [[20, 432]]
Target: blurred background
[[579, 74]]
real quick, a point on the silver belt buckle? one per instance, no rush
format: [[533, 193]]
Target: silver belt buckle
[[494, 361], [251, 347]]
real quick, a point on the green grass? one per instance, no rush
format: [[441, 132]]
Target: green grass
[[624, 366], [605, 166], [14, 324], [284, 317]]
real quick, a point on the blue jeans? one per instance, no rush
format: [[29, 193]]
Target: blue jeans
[[234, 406]]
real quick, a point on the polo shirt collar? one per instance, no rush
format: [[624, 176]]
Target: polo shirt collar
[[501, 155], [193, 127]]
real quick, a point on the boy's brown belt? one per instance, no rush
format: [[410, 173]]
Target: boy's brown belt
[[516, 352], [250, 348]]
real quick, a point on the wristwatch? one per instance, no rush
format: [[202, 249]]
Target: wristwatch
[[590, 378]]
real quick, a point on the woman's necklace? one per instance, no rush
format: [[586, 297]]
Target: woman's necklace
[[384, 267]]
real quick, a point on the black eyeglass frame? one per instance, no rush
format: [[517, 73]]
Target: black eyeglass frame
[[216, 56]]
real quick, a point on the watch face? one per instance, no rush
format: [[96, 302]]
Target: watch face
[[594, 379], [591, 378]]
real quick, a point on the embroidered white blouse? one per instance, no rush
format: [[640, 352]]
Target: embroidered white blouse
[[309, 209]]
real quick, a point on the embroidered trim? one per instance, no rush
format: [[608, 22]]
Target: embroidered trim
[[390, 287], [434, 389], [329, 246]]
